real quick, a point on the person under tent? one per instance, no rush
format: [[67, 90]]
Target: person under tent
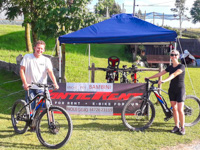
[[187, 58]]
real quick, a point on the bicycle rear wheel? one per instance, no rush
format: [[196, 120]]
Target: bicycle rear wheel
[[20, 117], [58, 132], [133, 117], [191, 110]]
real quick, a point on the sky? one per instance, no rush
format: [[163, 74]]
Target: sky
[[159, 6]]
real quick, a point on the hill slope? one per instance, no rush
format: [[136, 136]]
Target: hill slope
[[76, 55]]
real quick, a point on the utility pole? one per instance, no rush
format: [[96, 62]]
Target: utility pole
[[107, 12], [123, 9], [133, 7], [180, 19], [145, 15], [163, 17]]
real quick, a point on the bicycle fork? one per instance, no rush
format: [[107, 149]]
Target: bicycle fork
[[50, 114]]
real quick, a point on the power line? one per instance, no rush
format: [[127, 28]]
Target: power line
[[160, 3], [154, 5], [149, 6]]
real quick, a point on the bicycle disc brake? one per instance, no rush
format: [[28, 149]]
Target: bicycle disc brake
[[54, 127], [188, 111], [138, 113]]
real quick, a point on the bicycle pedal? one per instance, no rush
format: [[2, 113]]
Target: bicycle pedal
[[167, 118]]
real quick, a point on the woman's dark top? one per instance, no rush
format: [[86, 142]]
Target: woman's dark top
[[177, 87], [178, 81]]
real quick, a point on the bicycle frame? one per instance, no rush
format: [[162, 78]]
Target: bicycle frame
[[43, 98], [167, 111]]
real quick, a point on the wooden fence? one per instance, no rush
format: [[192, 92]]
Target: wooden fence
[[93, 69]]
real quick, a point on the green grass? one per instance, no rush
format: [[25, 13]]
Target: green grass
[[89, 132], [92, 132]]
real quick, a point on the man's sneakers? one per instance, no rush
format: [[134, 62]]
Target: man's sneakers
[[176, 129]]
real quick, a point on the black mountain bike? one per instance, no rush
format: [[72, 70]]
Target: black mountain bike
[[53, 123], [138, 113]]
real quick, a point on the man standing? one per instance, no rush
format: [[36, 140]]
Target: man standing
[[34, 68]]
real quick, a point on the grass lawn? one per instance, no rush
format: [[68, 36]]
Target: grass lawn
[[94, 132], [89, 132]]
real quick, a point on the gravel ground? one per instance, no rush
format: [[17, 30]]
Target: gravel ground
[[195, 145]]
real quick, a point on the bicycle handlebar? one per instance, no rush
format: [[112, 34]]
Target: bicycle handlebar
[[151, 81], [120, 69], [43, 85]]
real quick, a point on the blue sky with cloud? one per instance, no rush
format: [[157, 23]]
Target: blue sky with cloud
[[158, 6]]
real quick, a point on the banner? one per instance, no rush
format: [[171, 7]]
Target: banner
[[96, 98]]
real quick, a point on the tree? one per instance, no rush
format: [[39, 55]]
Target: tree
[[50, 17], [195, 11], [180, 12], [107, 8], [116, 9], [61, 20]]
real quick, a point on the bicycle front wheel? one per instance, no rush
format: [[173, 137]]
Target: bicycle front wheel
[[191, 110], [134, 118], [57, 131], [20, 116]]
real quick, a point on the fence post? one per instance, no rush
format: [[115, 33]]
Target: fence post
[[160, 78], [93, 73], [63, 79]]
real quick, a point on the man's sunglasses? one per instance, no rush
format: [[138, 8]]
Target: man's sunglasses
[[174, 55]]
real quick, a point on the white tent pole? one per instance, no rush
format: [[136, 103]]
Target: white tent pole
[[175, 46], [89, 62], [60, 61], [170, 52]]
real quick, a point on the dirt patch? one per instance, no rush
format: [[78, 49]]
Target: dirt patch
[[195, 145]]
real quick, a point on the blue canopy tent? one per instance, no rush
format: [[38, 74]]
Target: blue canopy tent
[[120, 29]]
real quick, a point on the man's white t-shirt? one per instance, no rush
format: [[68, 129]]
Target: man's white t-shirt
[[36, 68]]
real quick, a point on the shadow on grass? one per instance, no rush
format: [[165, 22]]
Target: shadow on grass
[[17, 38], [21, 145], [7, 108], [156, 127], [9, 133], [9, 91], [100, 126], [160, 127], [152, 129]]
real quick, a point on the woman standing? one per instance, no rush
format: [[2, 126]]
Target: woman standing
[[176, 90]]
